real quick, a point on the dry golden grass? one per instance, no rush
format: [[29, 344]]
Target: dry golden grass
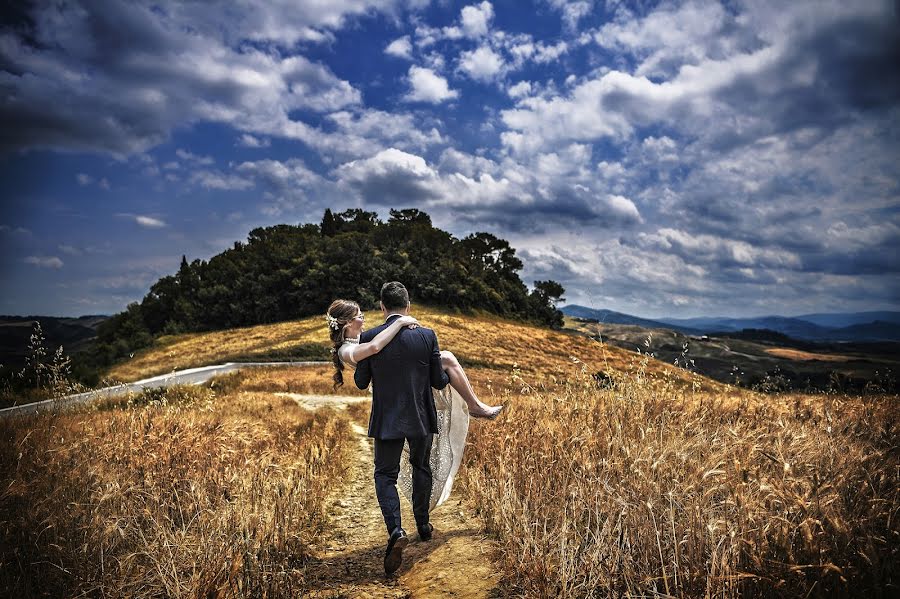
[[187, 492], [642, 490], [262, 342], [661, 483], [310, 380], [487, 345], [797, 354]]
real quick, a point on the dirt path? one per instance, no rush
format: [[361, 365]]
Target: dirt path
[[455, 563]]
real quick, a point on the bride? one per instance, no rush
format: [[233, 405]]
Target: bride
[[454, 404]]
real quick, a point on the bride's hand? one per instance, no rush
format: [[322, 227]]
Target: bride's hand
[[408, 321]]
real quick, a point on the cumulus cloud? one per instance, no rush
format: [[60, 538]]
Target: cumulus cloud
[[482, 64], [481, 192], [519, 90], [400, 47], [131, 73], [476, 19], [389, 177], [44, 261], [693, 78], [427, 86]]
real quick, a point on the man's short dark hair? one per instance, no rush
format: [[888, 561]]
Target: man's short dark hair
[[394, 296]]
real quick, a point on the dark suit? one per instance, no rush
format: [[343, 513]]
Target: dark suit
[[402, 376]]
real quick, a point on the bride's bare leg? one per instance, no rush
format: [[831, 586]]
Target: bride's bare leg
[[460, 382]]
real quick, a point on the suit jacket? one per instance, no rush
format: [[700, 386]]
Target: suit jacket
[[402, 376]]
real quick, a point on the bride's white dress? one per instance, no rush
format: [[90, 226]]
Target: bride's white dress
[[447, 447]]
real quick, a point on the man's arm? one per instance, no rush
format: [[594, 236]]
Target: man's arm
[[439, 378]]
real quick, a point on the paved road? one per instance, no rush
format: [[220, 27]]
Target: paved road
[[191, 376]]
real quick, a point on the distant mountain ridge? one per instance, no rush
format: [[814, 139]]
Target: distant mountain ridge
[[611, 317], [847, 326]]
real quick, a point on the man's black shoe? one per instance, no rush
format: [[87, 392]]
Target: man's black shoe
[[393, 556], [425, 532]]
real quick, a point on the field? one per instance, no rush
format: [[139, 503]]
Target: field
[[648, 481]]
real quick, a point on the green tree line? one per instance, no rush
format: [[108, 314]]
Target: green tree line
[[285, 272]]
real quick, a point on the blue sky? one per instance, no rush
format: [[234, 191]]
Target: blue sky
[[661, 159]]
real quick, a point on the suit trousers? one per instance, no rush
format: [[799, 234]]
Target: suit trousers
[[387, 468]]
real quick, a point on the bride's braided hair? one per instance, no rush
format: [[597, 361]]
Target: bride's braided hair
[[339, 313]]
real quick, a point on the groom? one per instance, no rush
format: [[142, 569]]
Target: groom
[[402, 376]]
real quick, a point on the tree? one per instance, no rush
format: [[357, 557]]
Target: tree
[[290, 271], [356, 220], [329, 224], [410, 216], [543, 300]]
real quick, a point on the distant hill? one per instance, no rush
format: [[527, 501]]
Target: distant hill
[[71, 333], [611, 317], [849, 319], [792, 327], [872, 331], [798, 328], [843, 326]]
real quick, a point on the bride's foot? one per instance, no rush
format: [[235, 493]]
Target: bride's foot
[[486, 412]]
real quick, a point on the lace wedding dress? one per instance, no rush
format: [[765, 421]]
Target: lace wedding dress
[[448, 444]]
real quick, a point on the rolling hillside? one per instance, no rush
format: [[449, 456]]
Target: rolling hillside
[[488, 346]]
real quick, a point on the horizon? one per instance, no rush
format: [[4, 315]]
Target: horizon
[[662, 317], [676, 158]]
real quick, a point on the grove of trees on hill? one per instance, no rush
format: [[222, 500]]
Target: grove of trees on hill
[[284, 272]]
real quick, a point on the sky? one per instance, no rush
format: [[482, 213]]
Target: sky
[[657, 158]]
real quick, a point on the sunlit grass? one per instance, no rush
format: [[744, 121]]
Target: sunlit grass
[[642, 491], [187, 492], [487, 345], [648, 481]]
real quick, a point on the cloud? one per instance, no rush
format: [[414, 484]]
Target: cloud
[[519, 90], [131, 73], [426, 86], [479, 192], [362, 133], [390, 177], [400, 47], [476, 19], [149, 222], [84, 179], [290, 186], [194, 158], [44, 261], [572, 10], [716, 251], [15, 231], [249, 141], [672, 36], [481, 64], [219, 180], [793, 77], [70, 250]]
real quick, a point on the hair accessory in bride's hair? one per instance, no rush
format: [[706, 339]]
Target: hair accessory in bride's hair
[[333, 323]]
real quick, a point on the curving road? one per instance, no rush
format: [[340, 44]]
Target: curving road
[[191, 376]]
